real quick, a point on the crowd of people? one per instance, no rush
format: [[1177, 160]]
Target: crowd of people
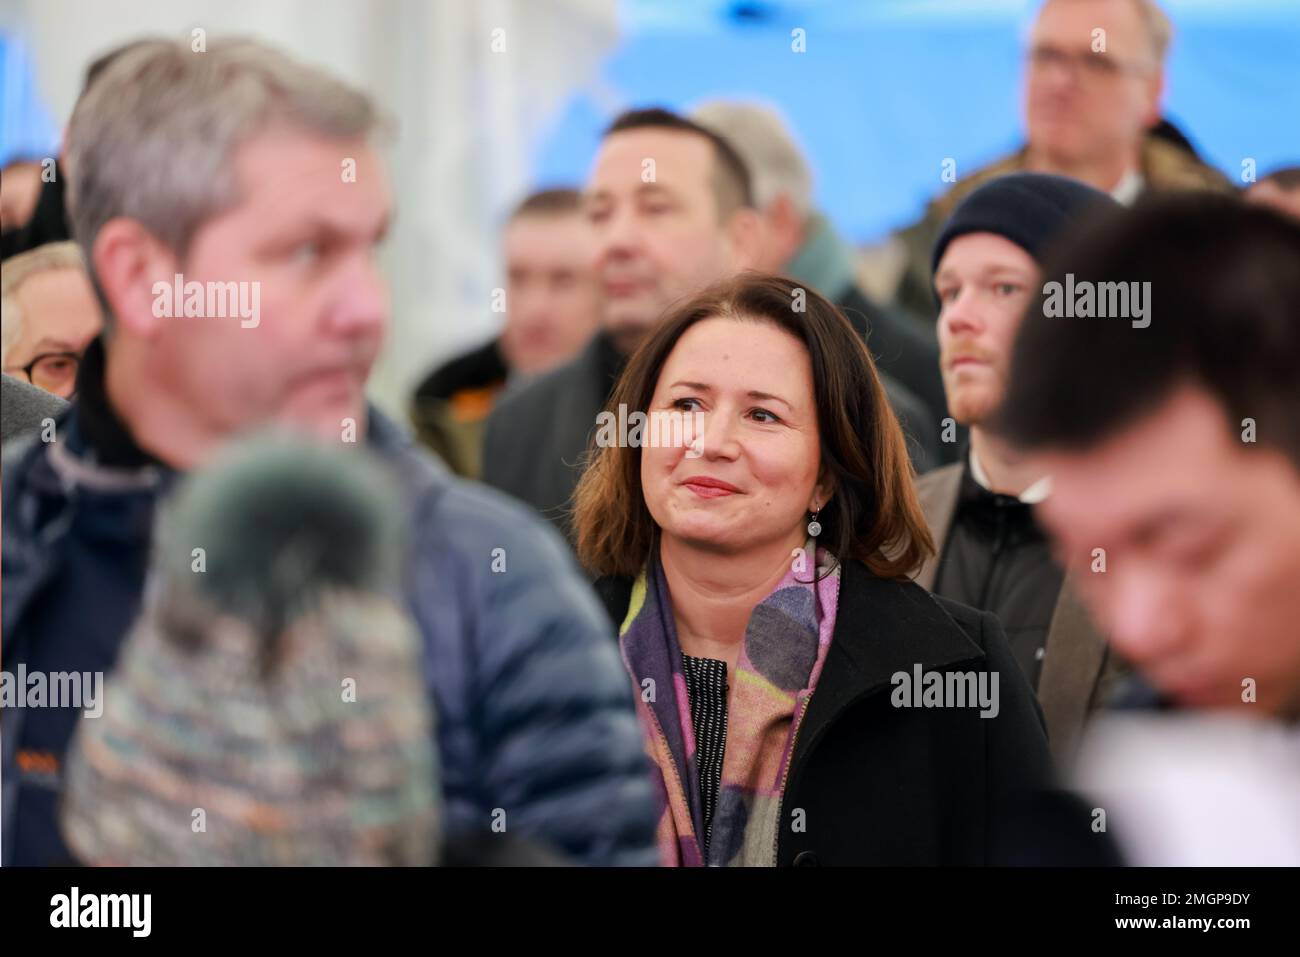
[[987, 558]]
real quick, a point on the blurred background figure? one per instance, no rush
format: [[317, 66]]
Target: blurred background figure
[[552, 308], [1174, 451], [992, 553], [671, 208], [20, 186], [47, 218], [50, 315], [1093, 86], [871, 97], [800, 242], [268, 707], [1280, 189]]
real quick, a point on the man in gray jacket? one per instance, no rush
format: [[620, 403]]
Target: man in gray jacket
[[224, 170]]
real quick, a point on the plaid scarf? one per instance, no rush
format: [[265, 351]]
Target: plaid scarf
[[785, 646]]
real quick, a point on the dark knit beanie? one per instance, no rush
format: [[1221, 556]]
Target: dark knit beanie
[[1030, 209]]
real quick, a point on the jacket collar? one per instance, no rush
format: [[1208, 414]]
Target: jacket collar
[[110, 451], [604, 362], [108, 441], [884, 627]]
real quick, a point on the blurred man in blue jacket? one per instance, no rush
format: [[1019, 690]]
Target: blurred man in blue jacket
[[229, 204]]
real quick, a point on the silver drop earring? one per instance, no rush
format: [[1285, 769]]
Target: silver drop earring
[[814, 526]]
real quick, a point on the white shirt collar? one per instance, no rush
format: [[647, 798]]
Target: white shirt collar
[[1128, 188], [1036, 492]]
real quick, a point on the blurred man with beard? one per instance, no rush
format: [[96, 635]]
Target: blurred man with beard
[[239, 171]]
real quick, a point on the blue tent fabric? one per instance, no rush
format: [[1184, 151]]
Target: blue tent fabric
[[26, 131], [886, 90]]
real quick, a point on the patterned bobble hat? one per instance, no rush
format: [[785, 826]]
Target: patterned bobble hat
[[268, 706]]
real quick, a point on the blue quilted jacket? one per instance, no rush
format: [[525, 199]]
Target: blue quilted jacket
[[536, 727]]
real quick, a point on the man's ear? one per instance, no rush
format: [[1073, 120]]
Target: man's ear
[[1155, 97], [745, 235], [788, 223], [129, 262]]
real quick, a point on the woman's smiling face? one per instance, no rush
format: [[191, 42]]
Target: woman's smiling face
[[745, 391]]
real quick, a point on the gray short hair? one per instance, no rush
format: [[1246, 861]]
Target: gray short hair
[[154, 136], [776, 164], [18, 270], [1159, 28]]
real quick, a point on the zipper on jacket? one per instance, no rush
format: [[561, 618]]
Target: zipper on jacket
[[999, 545], [785, 775]]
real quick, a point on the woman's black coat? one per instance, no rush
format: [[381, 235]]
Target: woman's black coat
[[871, 783]]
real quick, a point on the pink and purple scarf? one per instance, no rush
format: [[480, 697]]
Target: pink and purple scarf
[[785, 646]]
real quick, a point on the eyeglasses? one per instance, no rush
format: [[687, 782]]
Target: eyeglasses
[[51, 371], [1093, 66]]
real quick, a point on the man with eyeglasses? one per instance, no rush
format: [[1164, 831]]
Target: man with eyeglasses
[[1094, 77], [50, 316]]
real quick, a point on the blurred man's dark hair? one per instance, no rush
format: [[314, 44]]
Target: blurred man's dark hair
[[1224, 311], [1287, 177], [549, 202], [731, 182]]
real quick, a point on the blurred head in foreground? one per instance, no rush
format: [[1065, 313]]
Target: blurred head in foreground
[[268, 708], [1174, 446], [1279, 189]]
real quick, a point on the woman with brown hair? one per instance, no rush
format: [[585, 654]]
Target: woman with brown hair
[[803, 701]]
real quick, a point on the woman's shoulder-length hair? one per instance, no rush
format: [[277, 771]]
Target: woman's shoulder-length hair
[[873, 514]]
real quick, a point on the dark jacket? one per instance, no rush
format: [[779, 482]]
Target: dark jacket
[[1078, 669], [908, 354], [535, 713], [536, 438], [450, 407], [885, 785]]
